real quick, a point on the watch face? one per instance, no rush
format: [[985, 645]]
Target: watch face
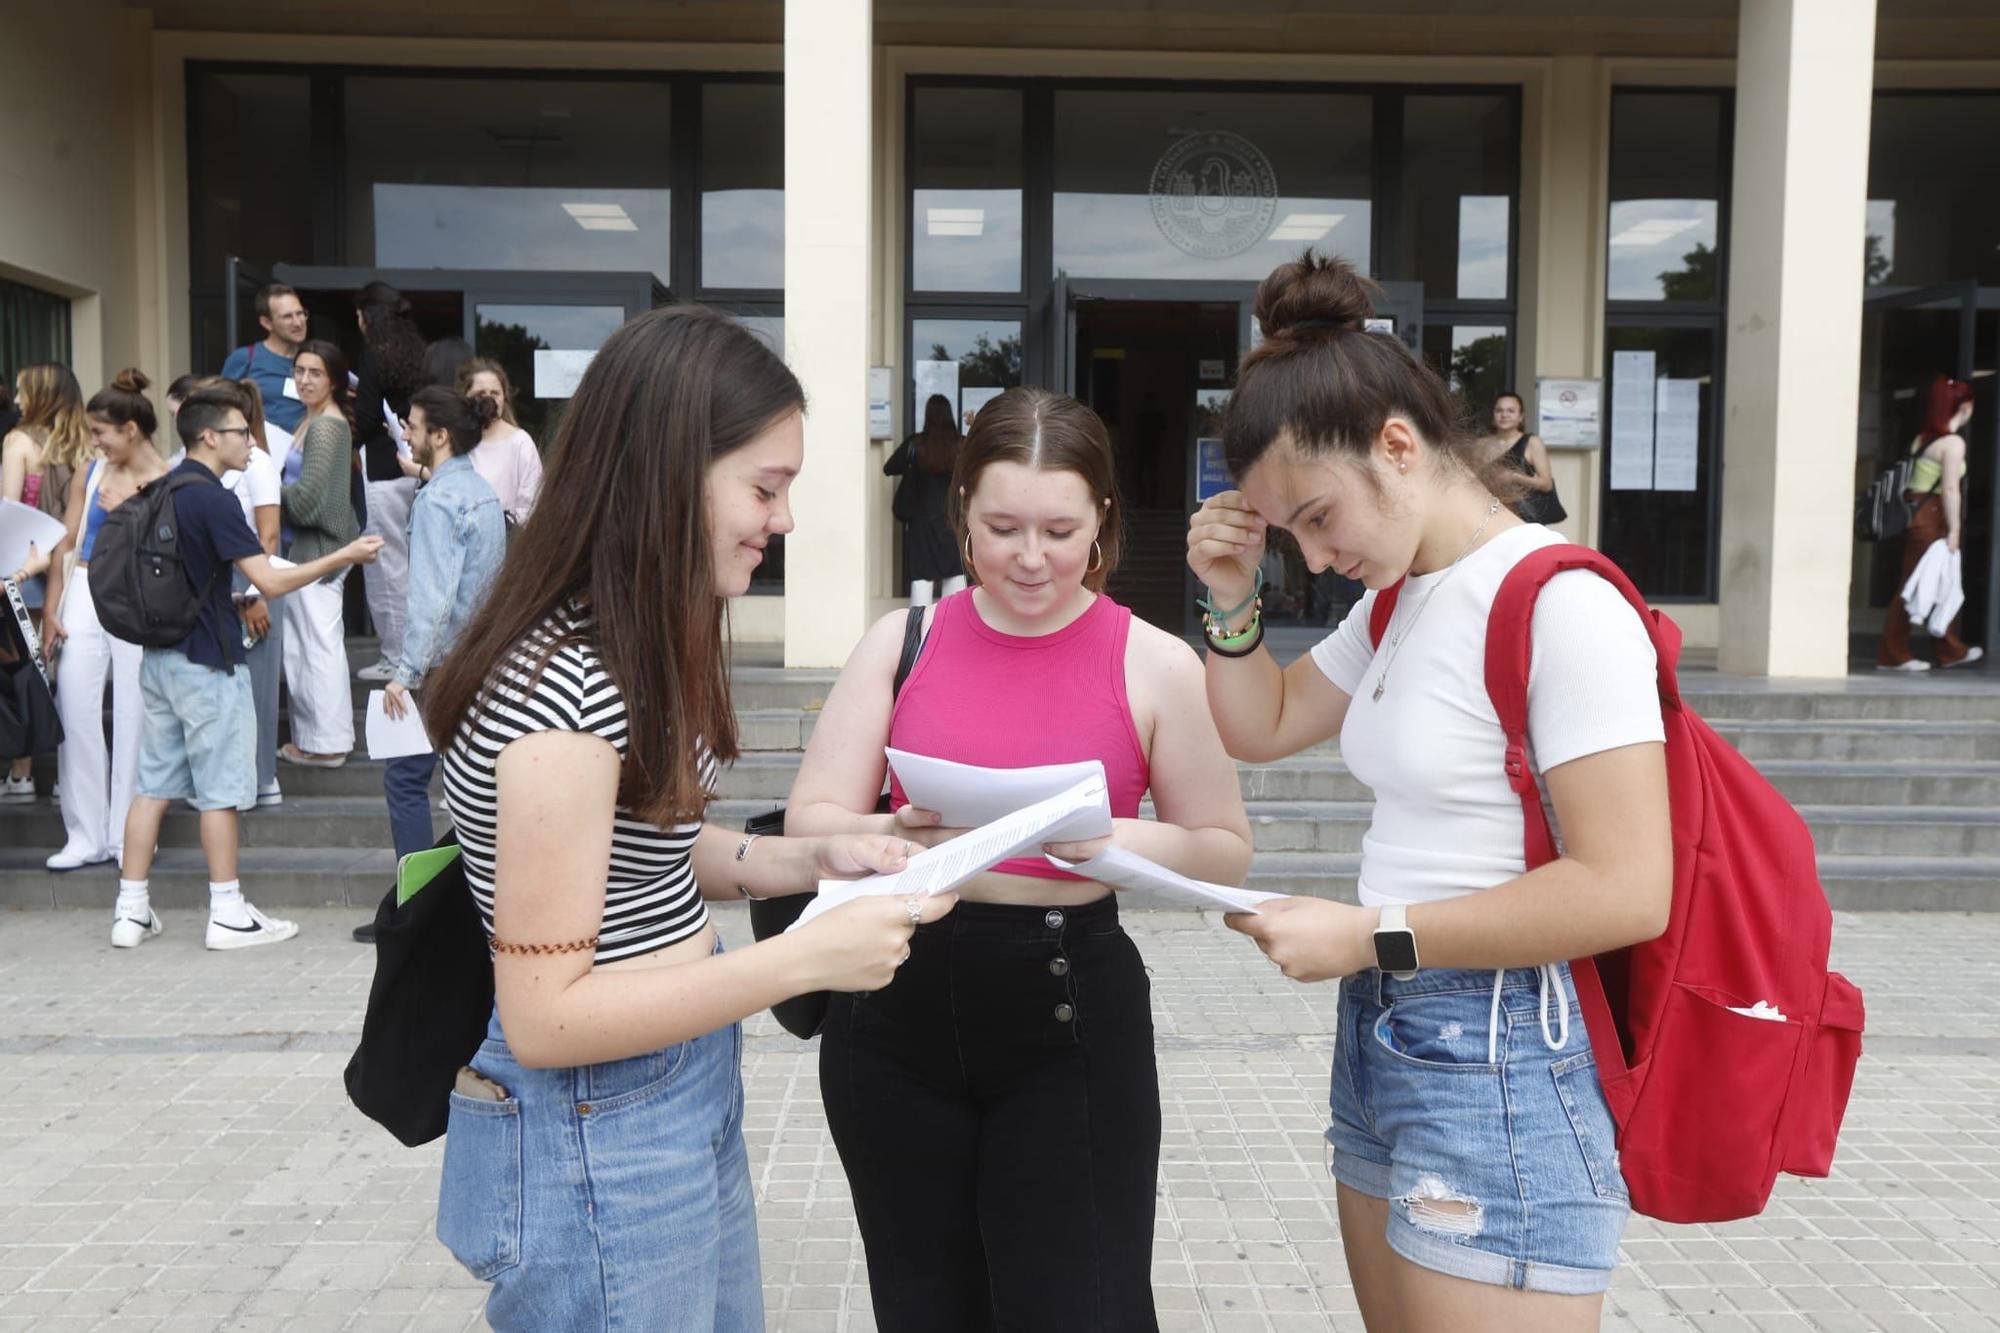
[[1396, 950]]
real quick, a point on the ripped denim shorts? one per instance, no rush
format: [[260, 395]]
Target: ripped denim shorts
[[1469, 1101]]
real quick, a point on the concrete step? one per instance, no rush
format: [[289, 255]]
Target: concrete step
[[343, 822], [278, 878]]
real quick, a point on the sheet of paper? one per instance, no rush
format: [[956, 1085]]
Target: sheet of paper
[[1677, 435], [1129, 870], [969, 796], [943, 868], [392, 738], [935, 377], [558, 370], [19, 525], [1568, 415], [1632, 404]]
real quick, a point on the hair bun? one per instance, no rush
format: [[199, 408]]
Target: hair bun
[[130, 380], [484, 410], [1314, 291]]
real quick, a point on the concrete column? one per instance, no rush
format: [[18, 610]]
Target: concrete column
[[1804, 79], [1562, 285], [829, 75]]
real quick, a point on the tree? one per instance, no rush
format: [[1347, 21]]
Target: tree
[[988, 363], [1875, 265], [1696, 280], [1479, 373]]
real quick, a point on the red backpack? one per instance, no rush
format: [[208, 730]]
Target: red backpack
[[1711, 1101]]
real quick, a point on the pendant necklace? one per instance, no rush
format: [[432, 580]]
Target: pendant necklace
[[1396, 639]]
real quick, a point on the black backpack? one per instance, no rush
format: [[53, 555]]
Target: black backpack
[[138, 575]]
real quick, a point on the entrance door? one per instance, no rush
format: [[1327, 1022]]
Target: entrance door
[[1908, 339], [1156, 361]]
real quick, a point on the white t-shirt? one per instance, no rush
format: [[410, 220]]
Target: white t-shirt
[[1446, 821], [279, 441], [255, 486], [512, 466]]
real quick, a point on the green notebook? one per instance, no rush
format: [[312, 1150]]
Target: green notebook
[[417, 869]]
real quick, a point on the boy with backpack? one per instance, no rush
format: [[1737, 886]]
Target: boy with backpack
[[165, 557]]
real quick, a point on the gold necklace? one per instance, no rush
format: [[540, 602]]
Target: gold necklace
[[1396, 639]]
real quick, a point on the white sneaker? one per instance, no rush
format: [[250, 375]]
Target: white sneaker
[[1915, 664], [384, 670], [270, 795], [22, 789], [1971, 655], [261, 929], [69, 860], [129, 934]]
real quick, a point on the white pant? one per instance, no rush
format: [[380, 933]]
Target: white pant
[[316, 669], [96, 788], [387, 581], [923, 592]]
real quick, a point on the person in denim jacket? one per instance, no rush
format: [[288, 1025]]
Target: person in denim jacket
[[458, 537]]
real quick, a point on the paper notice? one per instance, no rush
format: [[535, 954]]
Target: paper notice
[[394, 737], [1128, 870], [1632, 403], [559, 370], [1677, 436], [968, 796], [943, 868]]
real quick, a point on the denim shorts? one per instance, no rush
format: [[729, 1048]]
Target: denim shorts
[[607, 1197], [198, 741], [1503, 1170]]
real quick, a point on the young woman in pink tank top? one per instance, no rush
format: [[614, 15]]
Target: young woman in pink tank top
[[997, 1107]]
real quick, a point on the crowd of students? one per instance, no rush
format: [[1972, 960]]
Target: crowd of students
[[987, 1057], [332, 471]]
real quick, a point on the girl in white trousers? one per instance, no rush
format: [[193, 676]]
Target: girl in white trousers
[[316, 669], [96, 787]]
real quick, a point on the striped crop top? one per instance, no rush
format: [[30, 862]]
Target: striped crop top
[[650, 896]]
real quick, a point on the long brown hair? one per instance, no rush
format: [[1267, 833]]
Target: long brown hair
[[664, 398], [938, 441], [52, 409], [335, 361], [1050, 432], [1322, 379]]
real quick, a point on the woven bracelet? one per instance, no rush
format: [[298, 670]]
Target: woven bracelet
[[497, 946]]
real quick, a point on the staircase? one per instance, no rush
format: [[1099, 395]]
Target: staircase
[[1899, 779]]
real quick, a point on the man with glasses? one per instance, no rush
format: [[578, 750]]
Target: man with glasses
[[269, 362], [197, 741]]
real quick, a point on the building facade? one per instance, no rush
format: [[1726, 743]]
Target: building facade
[[1761, 230]]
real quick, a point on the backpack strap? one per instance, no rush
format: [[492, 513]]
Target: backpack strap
[[913, 643], [1383, 611], [1510, 652]]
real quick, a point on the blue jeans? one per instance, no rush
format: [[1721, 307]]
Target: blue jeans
[[607, 1197], [1492, 1143], [406, 782]]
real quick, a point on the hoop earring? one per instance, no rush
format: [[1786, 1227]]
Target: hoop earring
[[1097, 557], [968, 552]]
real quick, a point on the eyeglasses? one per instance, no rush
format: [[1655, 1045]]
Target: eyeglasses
[[231, 430]]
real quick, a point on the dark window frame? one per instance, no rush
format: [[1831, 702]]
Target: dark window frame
[[1712, 315], [1030, 303]]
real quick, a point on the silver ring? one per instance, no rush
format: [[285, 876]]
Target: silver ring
[[906, 956], [916, 912]]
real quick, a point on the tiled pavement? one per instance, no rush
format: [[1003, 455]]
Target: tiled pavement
[[176, 1151]]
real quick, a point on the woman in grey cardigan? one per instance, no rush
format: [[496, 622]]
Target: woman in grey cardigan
[[322, 520]]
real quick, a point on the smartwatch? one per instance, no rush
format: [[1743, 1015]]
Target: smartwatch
[[1396, 943]]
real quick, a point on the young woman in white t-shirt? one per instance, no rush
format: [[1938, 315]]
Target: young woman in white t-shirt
[[1473, 1152]]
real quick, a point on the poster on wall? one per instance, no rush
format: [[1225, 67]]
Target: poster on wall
[[1211, 476], [1677, 435], [1632, 404], [935, 377], [970, 400], [1569, 414], [558, 371]]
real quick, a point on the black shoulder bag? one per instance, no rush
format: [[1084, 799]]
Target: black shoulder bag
[[802, 1015]]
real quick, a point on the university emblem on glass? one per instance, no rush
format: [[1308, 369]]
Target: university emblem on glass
[[1214, 194]]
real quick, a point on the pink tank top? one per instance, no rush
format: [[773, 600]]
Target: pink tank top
[[978, 696], [31, 490]]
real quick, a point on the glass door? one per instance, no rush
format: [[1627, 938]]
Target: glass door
[[1908, 339]]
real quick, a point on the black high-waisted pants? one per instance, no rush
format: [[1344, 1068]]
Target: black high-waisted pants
[[997, 1109]]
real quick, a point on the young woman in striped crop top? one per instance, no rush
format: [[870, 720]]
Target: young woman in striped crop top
[[595, 1171], [997, 1108]]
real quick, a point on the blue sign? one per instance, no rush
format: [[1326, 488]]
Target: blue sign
[[1211, 477]]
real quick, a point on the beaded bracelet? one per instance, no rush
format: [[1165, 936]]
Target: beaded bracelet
[[1219, 616], [496, 946], [1241, 644]]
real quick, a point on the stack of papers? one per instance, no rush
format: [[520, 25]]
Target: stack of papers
[[1129, 870], [941, 869]]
